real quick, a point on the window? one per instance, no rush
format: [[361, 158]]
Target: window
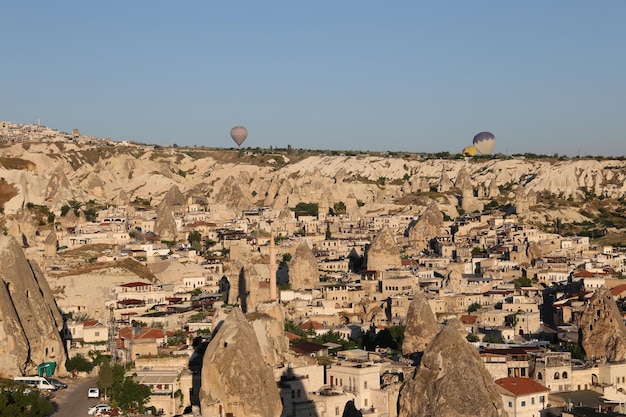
[[523, 404], [556, 375], [542, 398], [510, 404], [336, 411], [532, 400], [365, 385]]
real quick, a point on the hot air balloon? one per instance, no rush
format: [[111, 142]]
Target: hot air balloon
[[484, 142], [469, 151], [239, 134]]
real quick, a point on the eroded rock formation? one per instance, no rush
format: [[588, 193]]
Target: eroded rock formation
[[603, 334], [451, 381], [421, 326], [303, 269], [30, 322], [235, 377], [427, 227], [383, 253]]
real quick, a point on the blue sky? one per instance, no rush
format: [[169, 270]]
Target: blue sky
[[419, 76]]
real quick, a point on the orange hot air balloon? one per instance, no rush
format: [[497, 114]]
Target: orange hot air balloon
[[239, 134]]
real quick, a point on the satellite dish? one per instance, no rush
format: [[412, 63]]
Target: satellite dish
[[484, 142], [239, 134]]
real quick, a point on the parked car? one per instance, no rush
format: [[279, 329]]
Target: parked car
[[57, 383], [93, 393], [99, 409]]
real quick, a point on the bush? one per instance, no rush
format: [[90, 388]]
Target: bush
[[79, 364], [473, 307]]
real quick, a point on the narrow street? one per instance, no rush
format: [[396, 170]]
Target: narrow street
[[73, 401]]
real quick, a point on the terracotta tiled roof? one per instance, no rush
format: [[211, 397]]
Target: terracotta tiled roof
[[135, 284], [292, 336], [618, 290], [143, 333], [468, 319], [131, 301], [311, 324], [583, 273], [521, 386]]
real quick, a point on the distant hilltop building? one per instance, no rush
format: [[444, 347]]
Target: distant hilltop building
[[14, 132]]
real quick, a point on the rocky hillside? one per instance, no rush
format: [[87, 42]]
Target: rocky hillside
[[45, 173], [30, 321]]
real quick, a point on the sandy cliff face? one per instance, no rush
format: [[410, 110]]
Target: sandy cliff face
[[603, 334], [29, 319], [451, 381], [104, 173], [421, 326], [235, 377], [303, 268], [383, 253]]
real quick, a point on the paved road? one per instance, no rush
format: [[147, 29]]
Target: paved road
[[73, 401]]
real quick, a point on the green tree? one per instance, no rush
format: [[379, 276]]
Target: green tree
[[105, 377], [576, 350], [131, 396], [79, 363], [391, 337], [473, 307], [65, 209], [339, 207], [17, 403], [493, 339], [291, 327], [471, 337], [522, 282], [177, 338], [194, 236], [307, 209], [90, 214], [76, 205]]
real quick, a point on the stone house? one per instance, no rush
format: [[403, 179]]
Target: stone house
[[90, 331], [459, 303], [398, 306], [552, 369], [396, 282], [360, 378], [325, 402], [508, 362], [297, 385], [139, 341], [164, 385], [145, 291], [522, 397]]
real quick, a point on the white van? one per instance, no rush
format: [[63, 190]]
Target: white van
[[38, 382]]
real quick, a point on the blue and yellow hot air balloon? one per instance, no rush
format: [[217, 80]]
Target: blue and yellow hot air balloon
[[484, 142]]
